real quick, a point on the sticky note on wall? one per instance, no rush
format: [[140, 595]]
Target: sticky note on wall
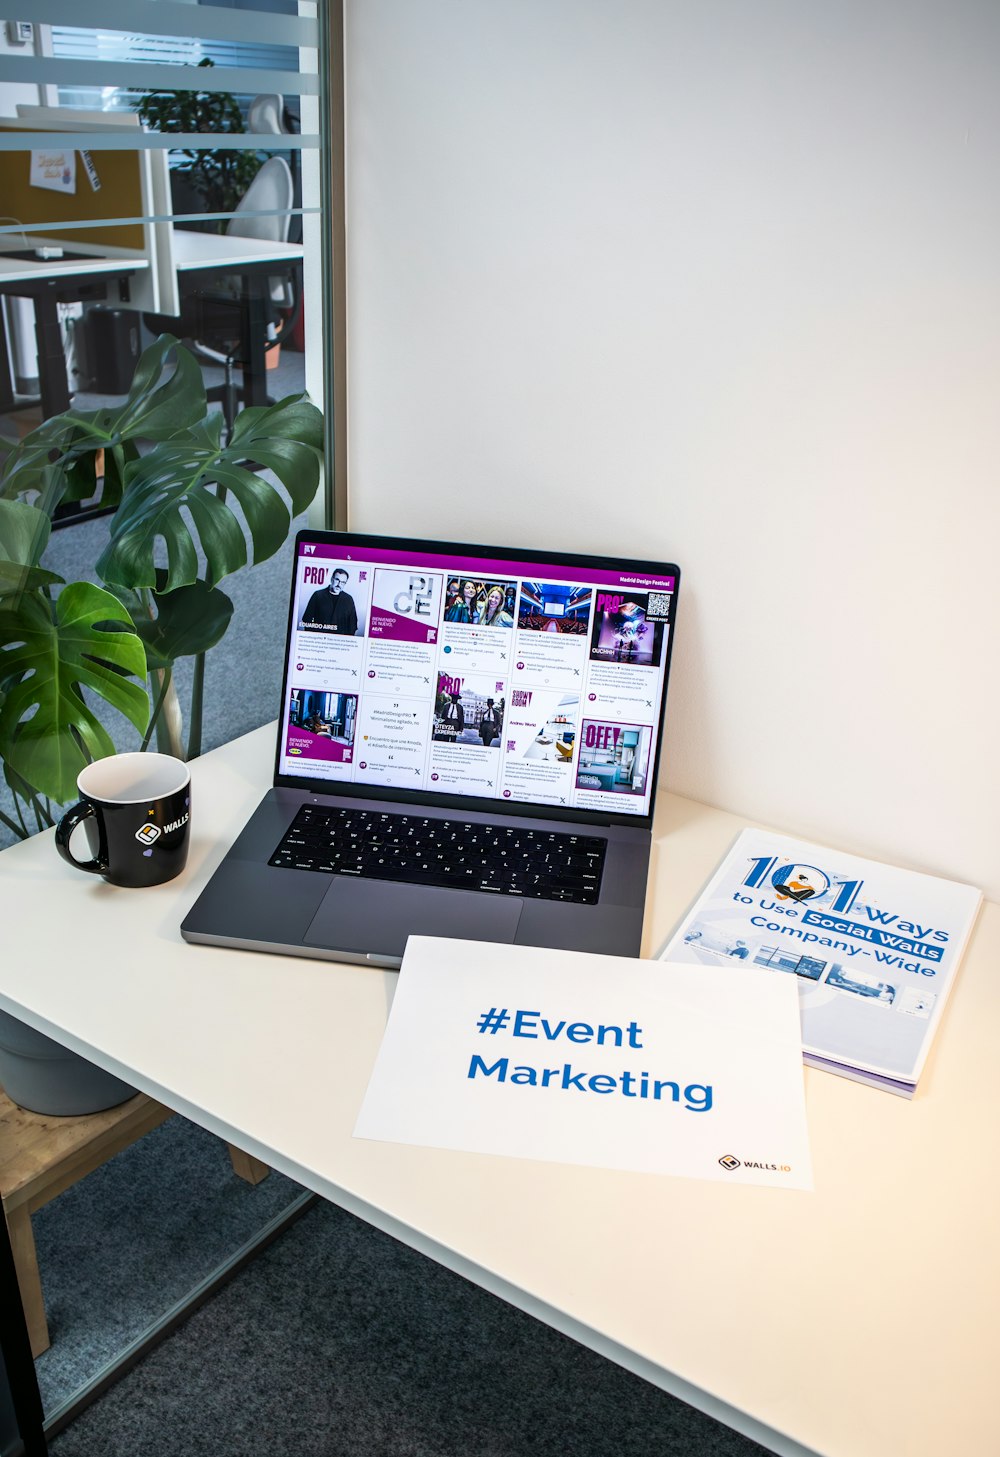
[[54, 168]]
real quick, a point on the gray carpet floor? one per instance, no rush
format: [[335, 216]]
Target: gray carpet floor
[[340, 1342], [119, 1248]]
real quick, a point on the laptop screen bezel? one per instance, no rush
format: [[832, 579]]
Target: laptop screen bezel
[[475, 804]]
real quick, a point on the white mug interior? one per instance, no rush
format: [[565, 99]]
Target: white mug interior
[[132, 778]]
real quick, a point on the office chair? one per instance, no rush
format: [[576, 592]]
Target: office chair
[[210, 322], [264, 114], [269, 114], [217, 336]]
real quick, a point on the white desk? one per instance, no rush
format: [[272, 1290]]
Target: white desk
[[50, 282], [857, 1321], [14, 271], [193, 256], [225, 252], [190, 252]]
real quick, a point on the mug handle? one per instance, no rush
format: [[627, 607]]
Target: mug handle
[[64, 830]]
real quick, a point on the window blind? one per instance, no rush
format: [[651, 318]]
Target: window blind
[[106, 49], [135, 47]]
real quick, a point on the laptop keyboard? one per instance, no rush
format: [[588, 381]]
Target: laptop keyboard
[[504, 859]]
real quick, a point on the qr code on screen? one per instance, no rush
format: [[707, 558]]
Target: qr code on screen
[[659, 605]]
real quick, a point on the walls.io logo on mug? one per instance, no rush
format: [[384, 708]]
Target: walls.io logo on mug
[[148, 834]]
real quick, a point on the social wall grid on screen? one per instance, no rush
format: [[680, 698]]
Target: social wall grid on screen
[[502, 679]]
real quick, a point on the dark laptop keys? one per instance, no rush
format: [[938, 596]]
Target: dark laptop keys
[[455, 854]]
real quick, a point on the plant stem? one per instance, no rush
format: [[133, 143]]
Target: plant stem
[[25, 833], [43, 819], [154, 717], [162, 727], [197, 701], [168, 730], [12, 825], [166, 715]]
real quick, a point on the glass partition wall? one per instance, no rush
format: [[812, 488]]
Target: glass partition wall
[[170, 167], [154, 121]]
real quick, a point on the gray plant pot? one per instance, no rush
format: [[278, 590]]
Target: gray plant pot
[[45, 1077]]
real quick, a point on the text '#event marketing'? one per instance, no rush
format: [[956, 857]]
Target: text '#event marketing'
[[569, 1076]]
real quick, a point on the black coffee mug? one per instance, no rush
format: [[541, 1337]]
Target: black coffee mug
[[135, 809]]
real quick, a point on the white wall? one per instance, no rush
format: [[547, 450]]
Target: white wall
[[715, 281]]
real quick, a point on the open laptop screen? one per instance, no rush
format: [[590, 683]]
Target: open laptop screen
[[526, 678]]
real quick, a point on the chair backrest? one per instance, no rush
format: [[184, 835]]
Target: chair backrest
[[270, 191], [264, 113]]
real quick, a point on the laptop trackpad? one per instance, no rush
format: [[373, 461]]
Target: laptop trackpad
[[377, 916]]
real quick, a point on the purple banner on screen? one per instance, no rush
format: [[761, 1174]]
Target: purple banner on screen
[[485, 566], [399, 629], [302, 743]]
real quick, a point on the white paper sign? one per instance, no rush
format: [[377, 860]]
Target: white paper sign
[[598, 1060], [55, 169]]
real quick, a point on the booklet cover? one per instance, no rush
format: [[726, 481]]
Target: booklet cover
[[874, 949]]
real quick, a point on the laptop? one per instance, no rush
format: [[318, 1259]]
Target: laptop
[[468, 745]]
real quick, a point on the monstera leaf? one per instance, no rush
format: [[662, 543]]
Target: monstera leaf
[[274, 436], [173, 494], [50, 653], [24, 534], [160, 404], [188, 621], [59, 461], [14, 580]]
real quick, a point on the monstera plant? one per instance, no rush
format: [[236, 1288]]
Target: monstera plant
[[185, 504]]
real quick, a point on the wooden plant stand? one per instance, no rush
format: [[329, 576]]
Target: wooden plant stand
[[40, 1156]]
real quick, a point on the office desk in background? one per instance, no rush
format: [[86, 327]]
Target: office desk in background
[[128, 182], [856, 1321], [198, 258], [102, 277]]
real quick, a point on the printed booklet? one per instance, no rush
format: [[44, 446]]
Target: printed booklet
[[875, 948]]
